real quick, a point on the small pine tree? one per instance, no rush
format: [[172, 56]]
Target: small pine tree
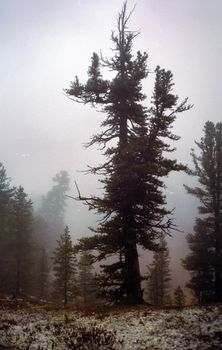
[[160, 276], [179, 297], [65, 263], [86, 278]]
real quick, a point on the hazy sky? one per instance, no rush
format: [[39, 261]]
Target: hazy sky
[[45, 43]]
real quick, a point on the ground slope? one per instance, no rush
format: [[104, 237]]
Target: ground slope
[[138, 329]]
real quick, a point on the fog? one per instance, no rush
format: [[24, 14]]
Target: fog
[[44, 44]]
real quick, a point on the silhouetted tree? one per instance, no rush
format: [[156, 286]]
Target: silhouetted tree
[[42, 275], [86, 278], [205, 258], [6, 195], [41, 257], [65, 265], [159, 276], [133, 202], [40, 230], [179, 297], [198, 263], [21, 240], [52, 210]]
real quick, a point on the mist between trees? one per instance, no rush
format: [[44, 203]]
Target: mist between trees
[[38, 256]]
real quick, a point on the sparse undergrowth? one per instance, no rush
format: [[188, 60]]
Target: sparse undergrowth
[[137, 329]]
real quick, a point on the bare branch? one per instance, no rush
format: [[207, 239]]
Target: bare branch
[[80, 198], [129, 15], [73, 99], [77, 189], [71, 197]]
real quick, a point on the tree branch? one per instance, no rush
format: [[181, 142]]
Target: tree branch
[[80, 198]]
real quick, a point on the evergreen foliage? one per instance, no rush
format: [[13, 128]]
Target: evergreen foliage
[[179, 297], [18, 251], [159, 276], [134, 142], [41, 289], [41, 230], [42, 275], [86, 278], [21, 240], [65, 264], [51, 215], [205, 258], [6, 195]]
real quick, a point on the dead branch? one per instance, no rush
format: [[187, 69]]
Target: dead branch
[[79, 197]]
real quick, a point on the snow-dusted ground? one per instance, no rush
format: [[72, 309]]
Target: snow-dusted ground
[[190, 328]]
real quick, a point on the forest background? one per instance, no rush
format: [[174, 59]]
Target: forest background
[[44, 44]]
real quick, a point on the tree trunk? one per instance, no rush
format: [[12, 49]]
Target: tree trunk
[[65, 293], [18, 288], [217, 267], [217, 282], [18, 267], [132, 276], [217, 285], [65, 286]]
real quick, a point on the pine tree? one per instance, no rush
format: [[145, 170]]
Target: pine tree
[[65, 264], [41, 256], [42, 274], [41, 230], [205, 258], [133, 137], [198, 263], [86, 279], [179, 297], [21, 240], [6, 195], [52, 210], [159, 276]]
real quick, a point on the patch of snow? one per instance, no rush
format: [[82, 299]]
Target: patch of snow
[[190, 328]]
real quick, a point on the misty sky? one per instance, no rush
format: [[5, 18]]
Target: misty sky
[[45, 43]]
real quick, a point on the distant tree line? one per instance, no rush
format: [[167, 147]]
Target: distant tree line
[[37, 258], [16, 244]]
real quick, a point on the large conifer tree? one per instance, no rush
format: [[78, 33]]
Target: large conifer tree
[[205, 258], [133, 202]]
